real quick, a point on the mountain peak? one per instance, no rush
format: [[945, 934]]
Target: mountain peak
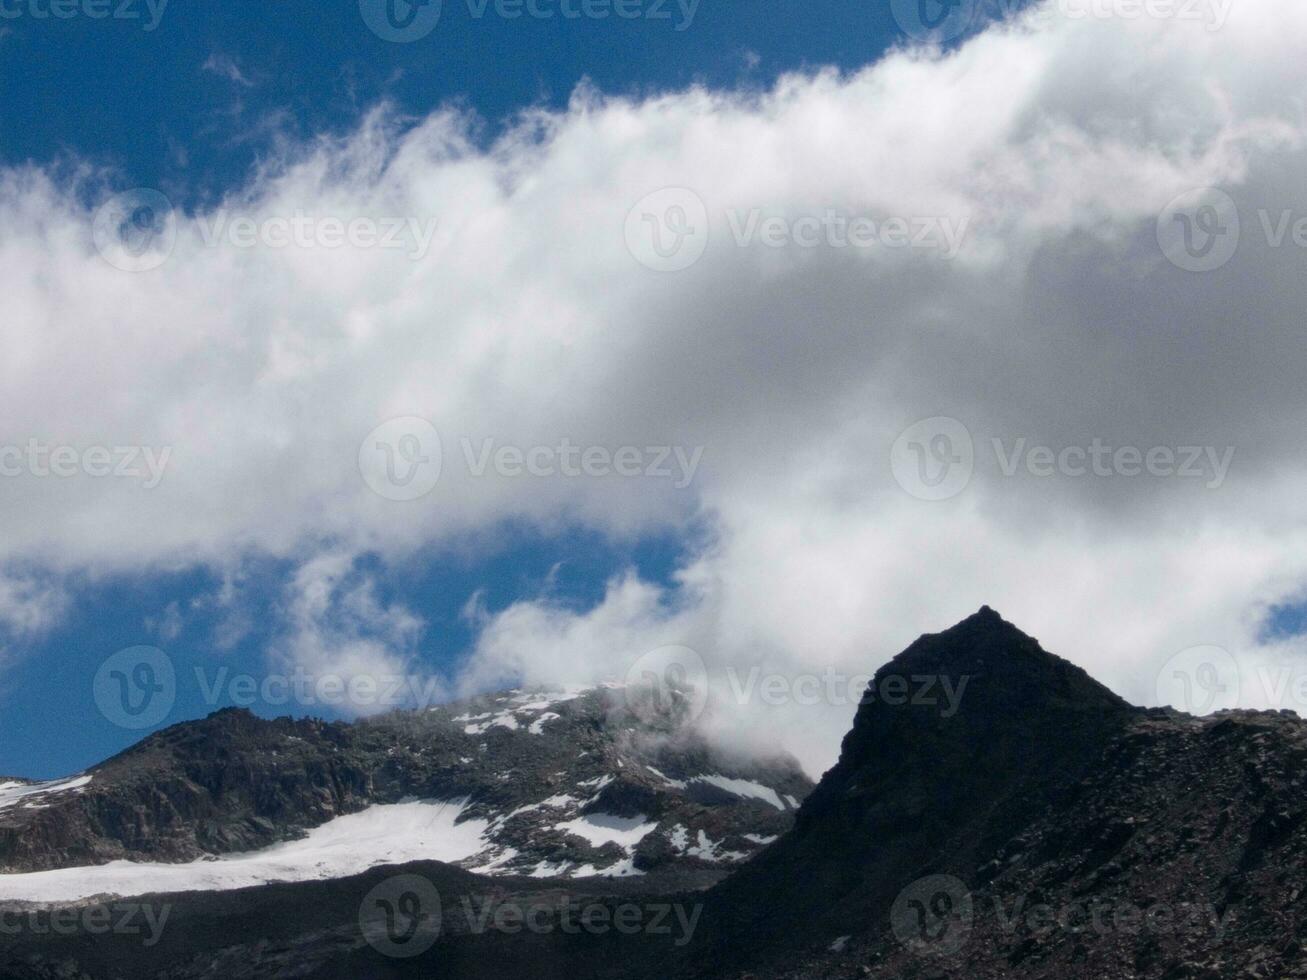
[[980, 709], [958, 741], [1001, 667], [984, 619]]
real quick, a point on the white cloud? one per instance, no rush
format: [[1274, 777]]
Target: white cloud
[[168, 625], [225, 66], [528, 321], [29, 604], [341, 629]]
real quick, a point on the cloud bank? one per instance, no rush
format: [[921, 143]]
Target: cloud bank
[[554, 310]]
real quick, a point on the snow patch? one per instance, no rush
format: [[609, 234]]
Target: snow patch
[[12, 792], [597, 784], [415, 830], [606, 828], [707, 850], [680, 838], [537, 726], [559, 802], [744, 787], [678, 783], [496, 863], [503, 720], [539, 700], [546, 870]]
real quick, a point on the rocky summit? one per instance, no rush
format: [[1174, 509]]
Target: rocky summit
[[1046, 829], [1029, 824]]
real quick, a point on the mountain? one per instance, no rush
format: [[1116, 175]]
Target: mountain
[[921, 789], [995, 812], [1046, 829], [568, 783]]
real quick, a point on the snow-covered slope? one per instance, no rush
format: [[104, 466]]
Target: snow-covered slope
[[391, 834], [29, 795], [567, 783]]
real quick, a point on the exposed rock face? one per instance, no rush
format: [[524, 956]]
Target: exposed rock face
[[1179, 855], [526, 761]]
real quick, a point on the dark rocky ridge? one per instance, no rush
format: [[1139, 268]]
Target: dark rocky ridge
[[235, 782], [918, 790], [1045, 795]]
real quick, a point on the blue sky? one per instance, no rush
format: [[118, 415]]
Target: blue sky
[[213, 644], [143, 103]]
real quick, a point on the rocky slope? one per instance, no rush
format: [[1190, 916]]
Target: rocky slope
[[561, 783], [1048, 829]]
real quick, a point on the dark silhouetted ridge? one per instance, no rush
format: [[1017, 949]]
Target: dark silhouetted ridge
[[960, 741]]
